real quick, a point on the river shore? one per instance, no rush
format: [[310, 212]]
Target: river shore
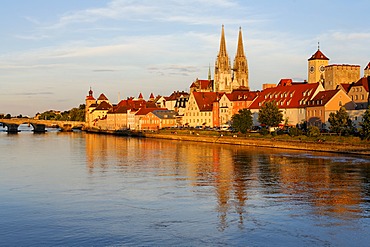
[[293, 144], [269, 143]]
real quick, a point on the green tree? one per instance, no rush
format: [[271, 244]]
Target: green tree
[[365, 125], [270, 115], [340, 122], [313, 131], [242, 121]]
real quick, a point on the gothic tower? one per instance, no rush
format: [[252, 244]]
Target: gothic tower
[[240, 65], [222, 78]]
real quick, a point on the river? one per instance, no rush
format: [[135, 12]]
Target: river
[[78, 189]]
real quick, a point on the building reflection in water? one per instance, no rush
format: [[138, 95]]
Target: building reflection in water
[[235, 175]]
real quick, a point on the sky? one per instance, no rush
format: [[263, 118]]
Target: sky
[[52, 52]]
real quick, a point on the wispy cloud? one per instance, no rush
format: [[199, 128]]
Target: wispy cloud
[[184, 70]]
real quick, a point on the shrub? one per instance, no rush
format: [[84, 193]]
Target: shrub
[[313, 131], [295, 132], [264, 131]]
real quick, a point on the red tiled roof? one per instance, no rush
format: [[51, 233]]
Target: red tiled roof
[[202, 84], [285, 82], [241, 95], [323, 97], [151, 96], [362, 82], [141, 96], [205, 100], [102, 97], [121, 109], [103, 106], [132, 104], [368, 66], [175, 95], [293, 96], [144, 111], [346, 87], [318, 55], [89, 97]]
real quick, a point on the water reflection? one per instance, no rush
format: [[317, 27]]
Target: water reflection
[[243, 179]]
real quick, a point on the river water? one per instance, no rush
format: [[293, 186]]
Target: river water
[[78, 189]]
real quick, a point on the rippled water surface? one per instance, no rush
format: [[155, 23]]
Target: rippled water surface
[[77, 189]]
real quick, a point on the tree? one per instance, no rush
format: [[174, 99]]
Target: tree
[[242, 121], [340, 122], [270, 115], [365, 125], [313, 131]]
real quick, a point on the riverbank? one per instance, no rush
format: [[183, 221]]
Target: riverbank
[[316, 145]]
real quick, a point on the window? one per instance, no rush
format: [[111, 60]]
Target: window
[[340, 103]]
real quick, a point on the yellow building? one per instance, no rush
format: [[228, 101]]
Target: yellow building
[[199, 109], [316, 67], [325, 102], [336, 74], [330, 75]]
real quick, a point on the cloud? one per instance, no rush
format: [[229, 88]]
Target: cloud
[[184, 70], [104, 70], [30, 93]]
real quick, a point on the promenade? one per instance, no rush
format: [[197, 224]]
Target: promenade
[[316, 146]]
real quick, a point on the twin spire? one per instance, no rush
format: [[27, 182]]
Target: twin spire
[[228, 78]]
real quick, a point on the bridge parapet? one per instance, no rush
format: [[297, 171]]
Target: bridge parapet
[[40, 125]]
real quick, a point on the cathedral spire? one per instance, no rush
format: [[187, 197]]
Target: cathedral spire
[[240, 68], [240, 49], [222, 51], [222, 79]]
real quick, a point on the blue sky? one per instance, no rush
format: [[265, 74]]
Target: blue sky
[[51, 52]]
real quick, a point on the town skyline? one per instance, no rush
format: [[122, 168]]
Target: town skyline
[[53, 53]]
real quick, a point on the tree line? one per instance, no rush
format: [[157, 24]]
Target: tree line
[[74, 114], [271, 116]]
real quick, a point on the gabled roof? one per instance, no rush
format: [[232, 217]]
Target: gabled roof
[[103, 106], [144, 111], [293, 96], [102, 97], [368, 66], [346, 87], [241, 95], [165, 114], [323, 97], [132, 104], [177, 94], [140, 96], [318, 56], [205, 100], [362, 82], [151, 97], [202, 84], [121, 109]]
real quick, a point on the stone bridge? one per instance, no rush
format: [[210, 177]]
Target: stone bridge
[[39, 125]]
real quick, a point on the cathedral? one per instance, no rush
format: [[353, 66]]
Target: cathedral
[[228, 78]]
